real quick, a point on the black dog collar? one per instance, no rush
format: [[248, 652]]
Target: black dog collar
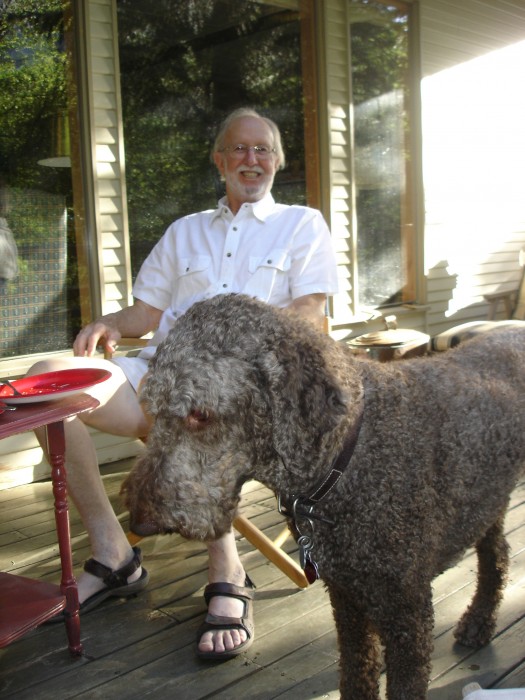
[[300, 509]]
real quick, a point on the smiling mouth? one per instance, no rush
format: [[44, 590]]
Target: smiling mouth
[[252, 170]]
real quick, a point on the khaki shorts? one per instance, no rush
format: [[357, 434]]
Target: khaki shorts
[[133, 367]]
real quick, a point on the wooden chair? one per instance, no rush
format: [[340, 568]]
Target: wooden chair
[[271, 549]]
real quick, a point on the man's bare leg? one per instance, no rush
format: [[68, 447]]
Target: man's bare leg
[[120, 414], [224, 566]]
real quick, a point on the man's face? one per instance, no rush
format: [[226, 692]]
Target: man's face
[[248, 177]]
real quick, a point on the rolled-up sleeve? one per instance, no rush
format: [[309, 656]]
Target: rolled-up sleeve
[[154, 283], [313, 267]]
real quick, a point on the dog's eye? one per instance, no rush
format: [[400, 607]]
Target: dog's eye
[[197, 419]]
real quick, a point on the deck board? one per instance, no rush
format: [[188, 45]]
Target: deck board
[[144, 646]]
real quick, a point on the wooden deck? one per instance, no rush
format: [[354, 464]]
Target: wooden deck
[[144, 646]]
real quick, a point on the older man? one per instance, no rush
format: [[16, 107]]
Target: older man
[[249, 244]]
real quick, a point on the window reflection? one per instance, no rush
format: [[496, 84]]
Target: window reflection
[[379, 62], [39, 307]]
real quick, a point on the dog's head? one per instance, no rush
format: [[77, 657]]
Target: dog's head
[[237, 390]]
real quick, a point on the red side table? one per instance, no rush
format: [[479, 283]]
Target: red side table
[[26, 603]]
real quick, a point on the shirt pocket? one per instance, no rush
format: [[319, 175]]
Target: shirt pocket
[[193, 279], [269, 279], [195, 264]]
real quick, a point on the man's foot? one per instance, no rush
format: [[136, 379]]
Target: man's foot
[[99, 582], [126, 581], [90, 583], [228, 628]]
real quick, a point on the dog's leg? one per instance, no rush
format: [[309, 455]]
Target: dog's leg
[[478, 623], [360, 663], [406, 632]]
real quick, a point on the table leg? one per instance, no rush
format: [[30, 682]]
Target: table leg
[[56, 450]]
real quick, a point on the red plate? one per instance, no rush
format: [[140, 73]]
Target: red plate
[[52, 386]]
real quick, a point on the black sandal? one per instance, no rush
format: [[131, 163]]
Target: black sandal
[[117, 585], [217, 622]]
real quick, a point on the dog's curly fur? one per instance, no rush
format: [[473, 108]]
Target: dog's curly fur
[[240, 390]]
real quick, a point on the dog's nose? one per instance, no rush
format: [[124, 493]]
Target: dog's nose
[[143, 527]]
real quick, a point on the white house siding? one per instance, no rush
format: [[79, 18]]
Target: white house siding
[[473, 73], [338, 119], [108, 173], [108, 155], [21, 460]]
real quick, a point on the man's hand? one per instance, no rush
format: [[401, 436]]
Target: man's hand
[[103, 331], [132, 322]]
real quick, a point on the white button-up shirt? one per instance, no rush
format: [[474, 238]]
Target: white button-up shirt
[[270, 251]]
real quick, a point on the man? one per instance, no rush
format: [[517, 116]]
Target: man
[[249, 244]]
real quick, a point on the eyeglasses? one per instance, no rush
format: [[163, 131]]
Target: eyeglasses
[[240, 150]]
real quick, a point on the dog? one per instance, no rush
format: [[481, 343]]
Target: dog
[[387, 472]]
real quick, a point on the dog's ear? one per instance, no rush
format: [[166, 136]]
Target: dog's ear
[[306, 400]]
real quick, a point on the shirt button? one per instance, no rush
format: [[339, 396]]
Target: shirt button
[[269, 261], [235, 228], [187, 269], [228, 255], [225, 285]]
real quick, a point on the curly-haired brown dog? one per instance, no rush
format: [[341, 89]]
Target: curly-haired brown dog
[[241, 390]]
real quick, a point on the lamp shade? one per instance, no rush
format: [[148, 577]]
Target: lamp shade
[[60, 156]]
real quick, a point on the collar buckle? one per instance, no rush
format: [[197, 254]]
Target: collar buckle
[[300, 509]]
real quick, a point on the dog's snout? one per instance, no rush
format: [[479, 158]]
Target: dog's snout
[[143, 527]]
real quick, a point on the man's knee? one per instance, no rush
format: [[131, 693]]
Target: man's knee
[[55, 364], [44, 366]]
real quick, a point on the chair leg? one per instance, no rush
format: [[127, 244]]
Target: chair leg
[[134, 539], [506, 298], [268, 548]]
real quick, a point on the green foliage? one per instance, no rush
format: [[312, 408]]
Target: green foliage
[[32, 81]]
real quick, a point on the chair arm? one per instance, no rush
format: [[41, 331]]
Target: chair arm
[[127, 343]]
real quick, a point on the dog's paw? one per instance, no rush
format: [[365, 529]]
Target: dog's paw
[[474, 631]]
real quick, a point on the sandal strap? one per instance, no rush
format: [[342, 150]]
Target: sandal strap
[[229, 590], [114, 579]]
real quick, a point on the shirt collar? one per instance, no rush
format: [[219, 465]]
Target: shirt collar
[[261, 209]]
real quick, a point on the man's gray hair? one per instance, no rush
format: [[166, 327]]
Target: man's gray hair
[[248, 112]]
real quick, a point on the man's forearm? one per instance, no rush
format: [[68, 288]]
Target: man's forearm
[[310, 307], [133, 321]]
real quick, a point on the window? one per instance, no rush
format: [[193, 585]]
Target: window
[[184, 66], [382, 198], [39, 294]]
